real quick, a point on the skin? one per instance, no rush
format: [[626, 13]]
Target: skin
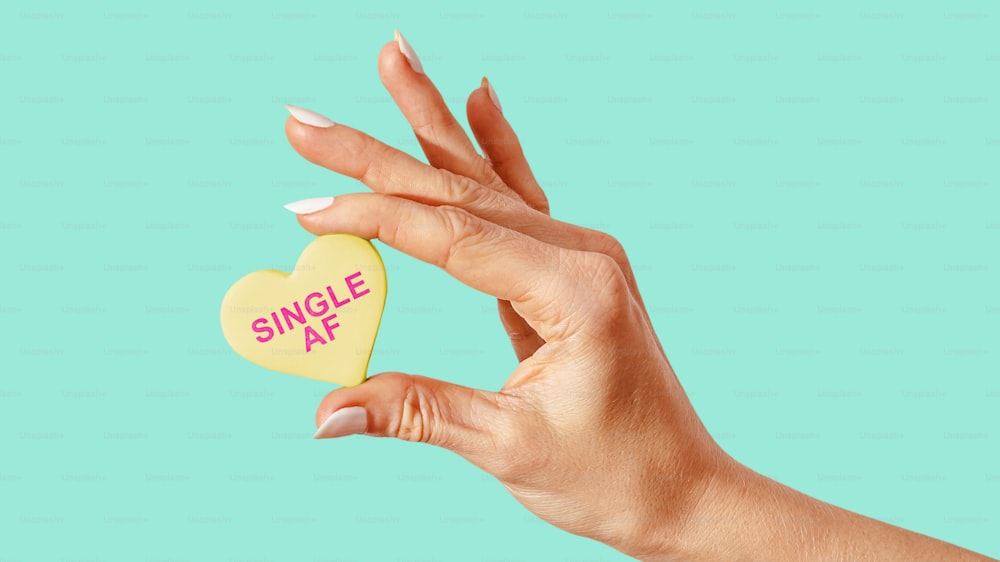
[[592, 431]]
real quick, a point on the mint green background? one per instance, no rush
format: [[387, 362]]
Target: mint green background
[[809, 197]]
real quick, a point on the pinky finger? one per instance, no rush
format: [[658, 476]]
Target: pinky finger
[[500, 145]]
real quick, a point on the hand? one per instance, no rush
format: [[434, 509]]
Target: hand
[[592, 431], [593, 411]]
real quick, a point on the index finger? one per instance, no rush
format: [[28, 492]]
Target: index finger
[[487, 257]]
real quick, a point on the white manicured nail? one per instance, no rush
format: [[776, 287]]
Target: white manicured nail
[[408, 52], [306, 206], [345, 421], [303, 115], [492, 93]]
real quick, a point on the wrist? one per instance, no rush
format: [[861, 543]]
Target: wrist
[[732, 502], [691, 505]]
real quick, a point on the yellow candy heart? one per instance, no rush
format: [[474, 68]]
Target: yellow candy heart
[[319, 321]]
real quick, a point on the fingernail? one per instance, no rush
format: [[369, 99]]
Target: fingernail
[[345, 421], [492, 92], [408, 52], [303, 115], [306, 206]]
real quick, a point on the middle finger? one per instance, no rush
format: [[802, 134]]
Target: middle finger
[[441, 137]]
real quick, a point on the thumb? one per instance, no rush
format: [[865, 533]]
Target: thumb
[[468, 421]]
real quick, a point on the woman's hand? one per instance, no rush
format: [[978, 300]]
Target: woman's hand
[[592, 421], [592, 431]]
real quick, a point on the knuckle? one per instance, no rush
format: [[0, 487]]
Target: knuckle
[[415, 414], [602, 266], [461, 191], [487, 175], [607, 244], [463, 227], [607, 280], [461, 222], [482, 168]]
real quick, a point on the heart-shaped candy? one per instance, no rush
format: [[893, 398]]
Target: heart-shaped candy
[[319, 321]]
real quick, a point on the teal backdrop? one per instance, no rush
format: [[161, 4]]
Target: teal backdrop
[[808, 193]]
